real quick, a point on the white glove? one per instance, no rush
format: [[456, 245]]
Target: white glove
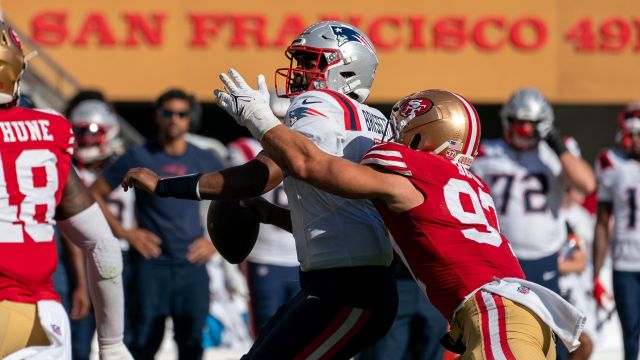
[[279, 105], [117, 351], [248, 107]]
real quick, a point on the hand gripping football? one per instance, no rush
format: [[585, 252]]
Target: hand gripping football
[[233, 229]]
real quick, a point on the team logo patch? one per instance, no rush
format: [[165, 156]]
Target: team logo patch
[[56, 329], [415, 107], [523, 290], [302, 112], [345, 34]]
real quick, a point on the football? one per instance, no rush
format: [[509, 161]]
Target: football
[[233, 229]]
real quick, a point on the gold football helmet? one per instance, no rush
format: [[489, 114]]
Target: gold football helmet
[[12, 63], [439, 122]]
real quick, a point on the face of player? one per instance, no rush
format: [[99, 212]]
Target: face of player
[[307, 63], [522, 134], [173, 118]]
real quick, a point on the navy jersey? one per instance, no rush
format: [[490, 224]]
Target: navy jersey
[[177, 222]]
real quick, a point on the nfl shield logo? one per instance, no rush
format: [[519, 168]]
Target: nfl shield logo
[[56, 329], [523, 290]]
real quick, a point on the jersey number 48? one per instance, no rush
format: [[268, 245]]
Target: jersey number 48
[[34, 203]]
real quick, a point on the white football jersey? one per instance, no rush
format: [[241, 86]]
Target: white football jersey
[[619, 183], [527, 191], [274, 246], [332, 231], [119, 202]]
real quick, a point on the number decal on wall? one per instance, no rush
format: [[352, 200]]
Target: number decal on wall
[[37, 185], [479, 201]]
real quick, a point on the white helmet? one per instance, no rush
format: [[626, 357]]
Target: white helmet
[[530, 105], [242, 150], [628, 124], [96, 129], [345, 61]]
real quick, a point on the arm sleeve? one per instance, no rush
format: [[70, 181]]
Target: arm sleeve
[[90, 231]]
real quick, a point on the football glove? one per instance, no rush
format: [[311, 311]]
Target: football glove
[[602, 296], [248, 107], [555, 140]]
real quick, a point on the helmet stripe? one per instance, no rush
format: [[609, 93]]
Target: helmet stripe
[[472, 132]]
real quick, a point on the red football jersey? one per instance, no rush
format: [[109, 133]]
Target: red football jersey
[[451, 243], [35, 158]]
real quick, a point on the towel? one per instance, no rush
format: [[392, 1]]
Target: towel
[[563, 318]]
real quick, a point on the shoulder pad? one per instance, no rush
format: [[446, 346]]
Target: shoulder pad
[[491, 147], [314, 98], [603, 159], [312, 103], [388, 156], [481, 151]]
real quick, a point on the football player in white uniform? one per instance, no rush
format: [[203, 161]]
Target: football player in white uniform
[[618, 172], [527, 172], [348, 298], [96, 128]]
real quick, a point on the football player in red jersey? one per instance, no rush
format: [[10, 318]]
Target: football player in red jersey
[[37, 188], [443, 223]]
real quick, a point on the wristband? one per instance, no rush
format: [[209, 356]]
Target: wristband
[[556, 142], [179, 187]]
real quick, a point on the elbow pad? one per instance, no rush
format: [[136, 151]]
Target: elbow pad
[[90, 231]]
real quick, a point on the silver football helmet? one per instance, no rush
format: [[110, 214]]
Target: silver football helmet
[[628, 125], [96, 128], [526, 104], [330, 55]]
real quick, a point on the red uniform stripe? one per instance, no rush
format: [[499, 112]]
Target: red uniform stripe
[[502, 328], [484, 321], [347, 337], [351, 117], [473, 126], [324, 336], [247, 151]]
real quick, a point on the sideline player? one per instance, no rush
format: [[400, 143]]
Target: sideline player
[[442, 220], [618, 173], [97, 132], [348, 298], [528, 171], [38, 187]]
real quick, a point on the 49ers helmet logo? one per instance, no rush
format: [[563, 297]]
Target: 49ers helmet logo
[[415, 107]]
